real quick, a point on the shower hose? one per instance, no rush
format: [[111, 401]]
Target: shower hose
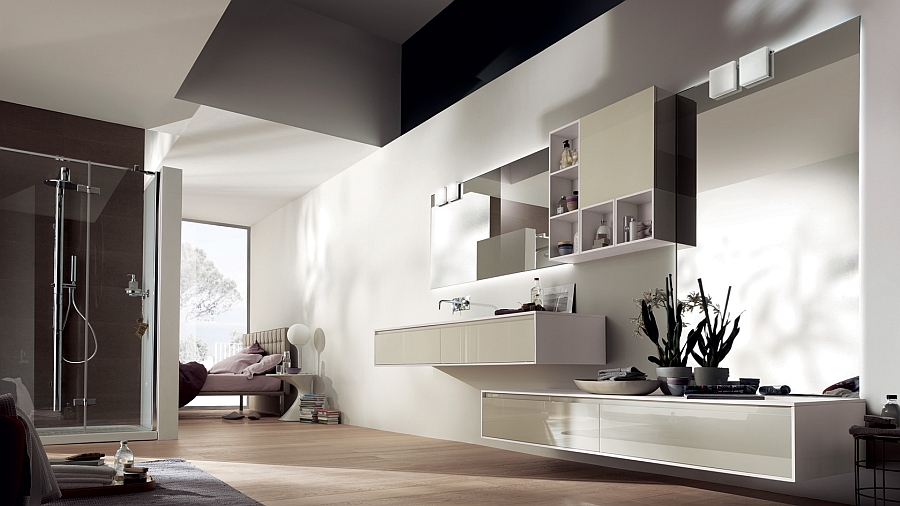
[[66, 320]]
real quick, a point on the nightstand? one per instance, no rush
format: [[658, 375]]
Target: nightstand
[[303, 382]]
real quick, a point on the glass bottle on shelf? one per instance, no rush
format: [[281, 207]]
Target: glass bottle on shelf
[[574, 156], [629, 222], [565, 160], [604, 235], [537, 294], [561, 205], [892, 409]]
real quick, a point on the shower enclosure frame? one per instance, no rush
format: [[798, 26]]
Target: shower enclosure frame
[[149, 413]]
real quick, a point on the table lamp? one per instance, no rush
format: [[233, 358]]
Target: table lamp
[[298, 335]]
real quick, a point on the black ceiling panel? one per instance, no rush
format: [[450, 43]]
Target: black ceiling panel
[[472, 42]]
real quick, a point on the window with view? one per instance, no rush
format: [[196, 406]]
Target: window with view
[[214, 287]]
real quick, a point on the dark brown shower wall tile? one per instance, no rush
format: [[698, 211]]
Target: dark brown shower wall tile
[[121, 234], [109, 269], [111, 154], [102, 132], [31, 140], [23, 117], [113, 305]]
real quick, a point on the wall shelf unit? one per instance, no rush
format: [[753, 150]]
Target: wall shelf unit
[[536, 337], [779, 438], [628, 165]]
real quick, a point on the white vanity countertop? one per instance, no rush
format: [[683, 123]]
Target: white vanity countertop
[[770, 400], [492, 317]]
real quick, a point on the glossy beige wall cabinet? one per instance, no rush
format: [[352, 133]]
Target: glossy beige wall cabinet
[[636, 158], [786, 439], [528, 338]]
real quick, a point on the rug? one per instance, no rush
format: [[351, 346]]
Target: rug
[[178, 483]]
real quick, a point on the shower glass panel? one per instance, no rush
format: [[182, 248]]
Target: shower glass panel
[[77, 344]]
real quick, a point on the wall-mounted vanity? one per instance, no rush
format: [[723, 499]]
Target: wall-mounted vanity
[[536, 337]]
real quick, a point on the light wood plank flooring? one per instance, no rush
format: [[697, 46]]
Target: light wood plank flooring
[[280, 464]]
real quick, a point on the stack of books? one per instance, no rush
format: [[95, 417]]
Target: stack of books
[[135, 475], [328, 416], [309, 404]]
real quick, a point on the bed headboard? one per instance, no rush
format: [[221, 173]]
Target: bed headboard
[[273, 341]]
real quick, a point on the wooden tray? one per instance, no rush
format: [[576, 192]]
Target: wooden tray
[[114, 489]]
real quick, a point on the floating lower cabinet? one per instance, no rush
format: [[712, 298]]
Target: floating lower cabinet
[[525, 338], [779, 438]]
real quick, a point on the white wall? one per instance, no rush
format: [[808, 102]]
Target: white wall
[[168, 287], [352, 255]]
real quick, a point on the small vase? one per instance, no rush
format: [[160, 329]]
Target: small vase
[[705, 376], [671, 372]]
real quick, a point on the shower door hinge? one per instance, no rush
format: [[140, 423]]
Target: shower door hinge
[[84, 402]]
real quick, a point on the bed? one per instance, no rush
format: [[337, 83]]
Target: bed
[[275, 343]]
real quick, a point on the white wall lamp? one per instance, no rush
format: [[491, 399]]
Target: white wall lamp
[[756, 67], [447, 194], [723, 81], [750, 70], [298, 335]]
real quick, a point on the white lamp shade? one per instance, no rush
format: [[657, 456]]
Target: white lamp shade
[[298, 334]]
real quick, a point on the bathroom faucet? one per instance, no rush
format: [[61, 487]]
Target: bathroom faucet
[[459, 303]]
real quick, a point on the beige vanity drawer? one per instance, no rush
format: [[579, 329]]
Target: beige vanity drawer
[[510, 340], [544, 421], [744, 439]]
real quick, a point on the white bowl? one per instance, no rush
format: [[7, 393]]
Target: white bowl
[[639, 387]]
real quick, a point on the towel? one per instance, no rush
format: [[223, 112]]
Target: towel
[[621, 374], [83, 470]]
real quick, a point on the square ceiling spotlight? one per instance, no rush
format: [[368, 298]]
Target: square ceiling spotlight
[[723, 81], [756, 67]]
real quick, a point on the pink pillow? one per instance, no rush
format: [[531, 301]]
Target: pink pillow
[[256, 349], [266, 365], [235, 363]]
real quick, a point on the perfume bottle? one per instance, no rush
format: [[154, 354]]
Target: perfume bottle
[[565, 160], [561, 205]]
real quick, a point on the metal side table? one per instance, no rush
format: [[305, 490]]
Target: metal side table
[[877, 476]]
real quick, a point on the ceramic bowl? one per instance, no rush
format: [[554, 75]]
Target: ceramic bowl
[[565, 250], [293, 370], [676, 385], [639, 387]]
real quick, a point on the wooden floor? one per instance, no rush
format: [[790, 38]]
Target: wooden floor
[[282, 463]]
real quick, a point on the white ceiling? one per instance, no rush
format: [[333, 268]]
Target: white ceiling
[[239, 169], [120, 61]]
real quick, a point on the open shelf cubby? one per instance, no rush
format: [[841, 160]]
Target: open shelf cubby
[[591, 219], [638, 205]]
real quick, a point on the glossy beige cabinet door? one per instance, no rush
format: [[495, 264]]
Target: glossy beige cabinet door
[[389, 348], [547, 421], [744, 439], [618, 149], [453, 344]]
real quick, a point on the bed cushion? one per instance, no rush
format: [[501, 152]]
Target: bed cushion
[[192, 376], [255, 349], [264, 366], [235, 364]]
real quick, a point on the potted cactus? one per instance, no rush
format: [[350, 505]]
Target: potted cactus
[[671, 357], [712, 343]]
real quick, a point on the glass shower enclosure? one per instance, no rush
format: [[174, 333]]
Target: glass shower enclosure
[[77, 296]]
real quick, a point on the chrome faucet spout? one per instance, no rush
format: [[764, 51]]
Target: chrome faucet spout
[[459, 303]]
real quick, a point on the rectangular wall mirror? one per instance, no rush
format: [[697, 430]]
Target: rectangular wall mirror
[[778, 214], [499, 225]]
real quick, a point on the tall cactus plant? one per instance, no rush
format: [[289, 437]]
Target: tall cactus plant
[[670, 352], [712, 344]]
